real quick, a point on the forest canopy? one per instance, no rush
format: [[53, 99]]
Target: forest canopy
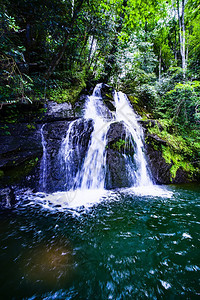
[[150, 49]]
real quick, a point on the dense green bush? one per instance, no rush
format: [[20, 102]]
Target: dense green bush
[[182, 104]]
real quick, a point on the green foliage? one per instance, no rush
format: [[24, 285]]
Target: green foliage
[[178, 161], [178, 151], [119, 145], [61, 95], [166, 131], [67, 91], [1, 173], [30, 126], [182, 104]]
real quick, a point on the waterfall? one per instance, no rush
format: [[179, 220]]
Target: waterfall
[[126, 114], [68, 152], [43, 165], [92, 175], [83, 150], [72, 149]]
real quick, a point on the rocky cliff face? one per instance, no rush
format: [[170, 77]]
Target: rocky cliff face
[[54, 133], [21, 150], [169, 161], [20, 138], [160, 169]]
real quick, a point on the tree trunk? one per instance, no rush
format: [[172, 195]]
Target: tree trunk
[[175, 46], [160, 61], [182, 34], [111, 60], [55, 61], [183, 40], [91, 48], [175, 32]]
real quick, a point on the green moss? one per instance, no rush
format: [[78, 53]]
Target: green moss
[[1, 174], [16, 173], [139, 107], [31, 126], [65, 95], [178, 151], [175, 141], [133, 99], [69, 92], [178, 161], [119, 145]]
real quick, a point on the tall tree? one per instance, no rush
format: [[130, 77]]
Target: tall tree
[[55, 61], [181, 19]]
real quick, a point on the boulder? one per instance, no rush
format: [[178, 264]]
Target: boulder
[[107, 96], [161, 171], [7, 197], [20, 152], [117, 154], [63, 111]]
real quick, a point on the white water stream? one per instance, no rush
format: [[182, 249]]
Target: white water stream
[[43, 165]]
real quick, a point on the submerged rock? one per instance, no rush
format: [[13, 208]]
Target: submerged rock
[[7, 197]]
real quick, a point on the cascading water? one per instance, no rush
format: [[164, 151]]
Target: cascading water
[[83, 152], [91, 173], [126, 114], [43, 165], [70, 153]]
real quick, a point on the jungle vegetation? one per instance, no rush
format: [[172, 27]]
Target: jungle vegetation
[[53, 50]]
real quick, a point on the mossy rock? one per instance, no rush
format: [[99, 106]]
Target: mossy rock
[[179, 163], [16, 174], [172, 158]]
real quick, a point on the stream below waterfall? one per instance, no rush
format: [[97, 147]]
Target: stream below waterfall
[[89, 238], [131, 245]]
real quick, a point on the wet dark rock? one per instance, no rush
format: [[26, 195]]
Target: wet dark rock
[[107, 91], [22, 142], [63, 111], [7, 197], [20, 151], [159, 168], [107, 95], [54, 134], [117, 174], [116, 131]]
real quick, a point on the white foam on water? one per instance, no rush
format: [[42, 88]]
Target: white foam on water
[[76, 200], [151, 190], [73, 199]]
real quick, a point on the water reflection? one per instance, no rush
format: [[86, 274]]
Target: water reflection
[[48, 263]]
